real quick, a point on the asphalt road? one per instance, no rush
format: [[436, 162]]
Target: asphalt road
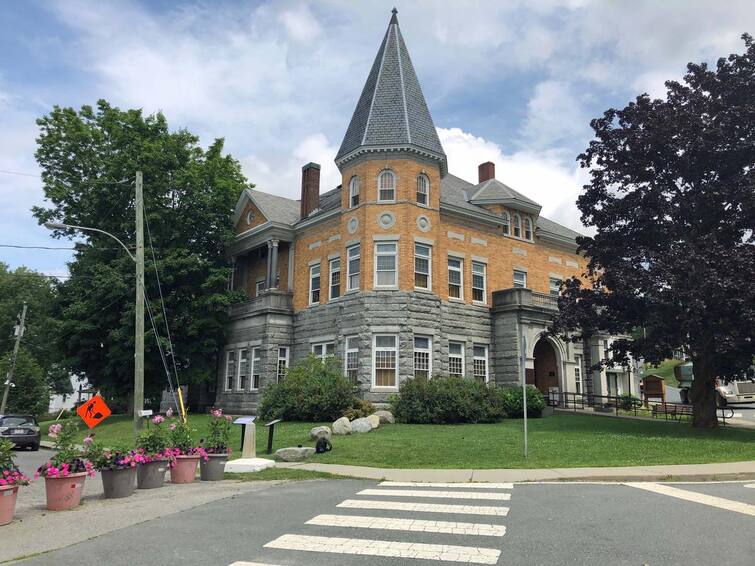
[[545, 524]]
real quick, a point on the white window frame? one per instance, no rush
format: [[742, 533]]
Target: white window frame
[[524, 276], [243, 360], [484, 287], [323, 346], [578, 373], [423, 189], [517, 226], [230, 373], [312, 268], [428, 351], [350, 256], [256, 364], [429, 259], [354, 192], [281, 358], [375, 351], [528, 231], [460, 271], [331, 272], [506, 222], [385, 173], [393, 254], [351, 358], [484, 358]]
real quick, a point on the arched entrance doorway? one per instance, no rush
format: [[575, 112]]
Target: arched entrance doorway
[[546, 365]]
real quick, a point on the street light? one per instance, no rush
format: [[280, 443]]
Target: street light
[[138, 259]]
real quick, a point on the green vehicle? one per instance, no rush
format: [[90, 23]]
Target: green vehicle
[[738, 391]]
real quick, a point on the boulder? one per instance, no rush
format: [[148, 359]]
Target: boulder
[[386, 417], [361, 425], [342, 426], [374, 420], [294, 453], [318, 432]]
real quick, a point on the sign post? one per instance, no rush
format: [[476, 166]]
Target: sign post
[[522, 362]]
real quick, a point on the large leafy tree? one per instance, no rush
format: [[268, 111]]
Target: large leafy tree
[[89, 159], [672, 199]]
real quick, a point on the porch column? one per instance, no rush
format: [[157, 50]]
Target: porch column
[[274, 265]]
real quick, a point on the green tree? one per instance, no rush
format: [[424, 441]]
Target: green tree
[[30, 393], [672, 199], [88, 160]]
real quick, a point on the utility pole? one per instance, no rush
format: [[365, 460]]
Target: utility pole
[[12, 367], [139, 326]]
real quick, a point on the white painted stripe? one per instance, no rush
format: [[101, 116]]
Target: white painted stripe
[[424, 507], [370, 547], [473, 485], [720, 502], [437, 494], [415, 525]]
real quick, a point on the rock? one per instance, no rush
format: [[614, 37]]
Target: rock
[[342, 426], [374, 420], [294, 453], [361, 425], [386, 417], [318, 432]]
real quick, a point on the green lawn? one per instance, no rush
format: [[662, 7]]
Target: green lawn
[[665, 369], [557, 441]]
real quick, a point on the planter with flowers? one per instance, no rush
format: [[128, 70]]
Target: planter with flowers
[[117, 467], [185, 453], [216, 446], [152, 455], [10, 480], [65, 472]]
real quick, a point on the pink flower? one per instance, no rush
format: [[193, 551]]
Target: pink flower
[[169, 412], [157, 419]]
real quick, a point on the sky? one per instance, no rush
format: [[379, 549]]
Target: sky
[[513, 82]]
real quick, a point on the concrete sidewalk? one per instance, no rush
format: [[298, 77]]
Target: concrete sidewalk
[[681, 472]]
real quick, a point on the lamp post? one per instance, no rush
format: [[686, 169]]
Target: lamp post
[[138, 259]]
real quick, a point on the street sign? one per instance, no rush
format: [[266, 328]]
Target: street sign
[[94, 411]]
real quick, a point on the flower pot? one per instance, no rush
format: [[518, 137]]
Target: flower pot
[[151, 475], [8, 495], [64, 493], [185, 469], [213, 468], [118, 483]]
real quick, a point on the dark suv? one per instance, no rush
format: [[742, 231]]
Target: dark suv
[[21, 430]]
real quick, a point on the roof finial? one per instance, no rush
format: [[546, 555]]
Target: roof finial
[[394, 19]]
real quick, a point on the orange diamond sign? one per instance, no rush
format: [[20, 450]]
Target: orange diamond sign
[[94, 411]]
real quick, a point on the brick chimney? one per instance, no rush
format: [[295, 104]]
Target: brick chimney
[[310, 188], [485, 171]]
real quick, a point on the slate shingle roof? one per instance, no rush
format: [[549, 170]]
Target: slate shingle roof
[[391, 111]]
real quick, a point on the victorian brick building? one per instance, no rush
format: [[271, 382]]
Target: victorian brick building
[[403, 269]]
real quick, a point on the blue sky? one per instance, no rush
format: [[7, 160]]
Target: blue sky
[[515, 82]]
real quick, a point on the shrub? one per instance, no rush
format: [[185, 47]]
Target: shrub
[[360, 408], [513, 404], [446, 399], [312, 390]]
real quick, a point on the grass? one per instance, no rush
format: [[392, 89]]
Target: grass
[[665, 369], [562, 441]]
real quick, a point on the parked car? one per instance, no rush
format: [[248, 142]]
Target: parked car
[[21, 430]]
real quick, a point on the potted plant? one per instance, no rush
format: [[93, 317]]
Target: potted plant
[[216, 446], [65, 472], [185, 453], [117, 467], [10, 478], [152, 455]]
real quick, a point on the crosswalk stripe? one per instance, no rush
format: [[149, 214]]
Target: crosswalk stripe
[[413, 525], [371, 547], [437, 494], [472, 485], [711, 500], [424, 507]]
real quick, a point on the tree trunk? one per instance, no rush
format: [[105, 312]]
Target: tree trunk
[[703, 388]]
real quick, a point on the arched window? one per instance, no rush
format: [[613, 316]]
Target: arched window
[[354, 192], [506, 223], [527, 229], [423, 190], [387, 186], [517, 226]]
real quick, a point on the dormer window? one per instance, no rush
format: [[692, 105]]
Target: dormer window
[[527, 229], [517, 226], [506, 221], [354, 192], [423, 190], [387, 187]]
